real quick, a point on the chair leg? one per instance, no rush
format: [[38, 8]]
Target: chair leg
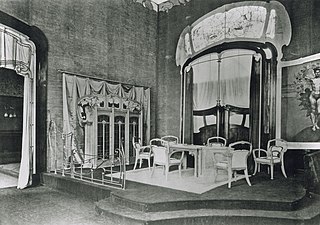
[[140, 163], [149, 163], [271, 168], [229, 177], [167, 171], [179, 167], [283, 169], [235, 175], [247, 176], [153, 168], [255, 168], [215, 174], [135, 163]]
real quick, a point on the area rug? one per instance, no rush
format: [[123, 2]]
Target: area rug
[[187, 182]]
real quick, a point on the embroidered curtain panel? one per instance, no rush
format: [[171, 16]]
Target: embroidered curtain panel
[[75, 87]]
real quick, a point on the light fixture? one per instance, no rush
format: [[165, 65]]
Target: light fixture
[[9, 112]]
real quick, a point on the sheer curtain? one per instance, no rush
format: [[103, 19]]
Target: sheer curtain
[[232, 85]]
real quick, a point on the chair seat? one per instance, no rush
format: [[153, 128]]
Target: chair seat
[[222, 164], [144, 155], [175, 161], [267, 160]]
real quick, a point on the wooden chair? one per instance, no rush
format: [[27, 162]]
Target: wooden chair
[[238, 161], [218, 141], [170, 139], [276, 148], [142, 152], [162, 157]]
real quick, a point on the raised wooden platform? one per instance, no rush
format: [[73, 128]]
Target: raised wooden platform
[[278, 201]]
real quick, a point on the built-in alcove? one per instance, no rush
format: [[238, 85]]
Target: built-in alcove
[[11, 108]]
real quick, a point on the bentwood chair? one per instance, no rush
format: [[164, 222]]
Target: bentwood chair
[[162, 156], [142, 152], [169, 140], [276, 148], [238, 162], [216, 141]]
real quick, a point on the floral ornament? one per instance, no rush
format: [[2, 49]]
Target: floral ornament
[[86, 106]]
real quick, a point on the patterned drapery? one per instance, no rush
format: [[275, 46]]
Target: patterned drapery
[[75, 87]]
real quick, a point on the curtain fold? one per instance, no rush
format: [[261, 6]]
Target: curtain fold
[[25, 172], [255, 102], [188, 124], [233, 88]]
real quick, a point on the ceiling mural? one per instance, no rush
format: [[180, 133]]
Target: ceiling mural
[[243, 21], [161, 5]]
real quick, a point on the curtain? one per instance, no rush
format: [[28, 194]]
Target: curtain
[[27, 151], [232, 87], [255, 101], [75, 87], [188, 109], [17, 52]]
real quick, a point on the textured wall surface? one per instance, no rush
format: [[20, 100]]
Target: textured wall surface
[[99, 38]]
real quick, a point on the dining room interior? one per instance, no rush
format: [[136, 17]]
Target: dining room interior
[[165, 111]]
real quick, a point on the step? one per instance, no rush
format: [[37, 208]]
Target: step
[[149, 200], [123, 215]]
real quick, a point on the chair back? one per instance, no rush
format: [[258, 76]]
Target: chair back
[[157, 142], [136, 142], [279, 143], [160, 155], [239, 159], [170, 139], [241, 145], [216, 141]]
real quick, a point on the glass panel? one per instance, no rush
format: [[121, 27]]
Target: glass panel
[[133, 132], [119, 130], [271, 30], [239, 22], [103, 136]]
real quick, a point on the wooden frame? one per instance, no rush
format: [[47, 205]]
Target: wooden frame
[[294, 112]]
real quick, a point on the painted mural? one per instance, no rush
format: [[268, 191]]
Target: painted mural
[[300, 111]]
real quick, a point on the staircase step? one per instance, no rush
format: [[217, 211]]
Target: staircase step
[[123, 215], [148, 200]]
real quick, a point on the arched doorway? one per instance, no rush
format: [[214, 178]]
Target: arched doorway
[[17, 53], [23, 51], [248, 26]]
